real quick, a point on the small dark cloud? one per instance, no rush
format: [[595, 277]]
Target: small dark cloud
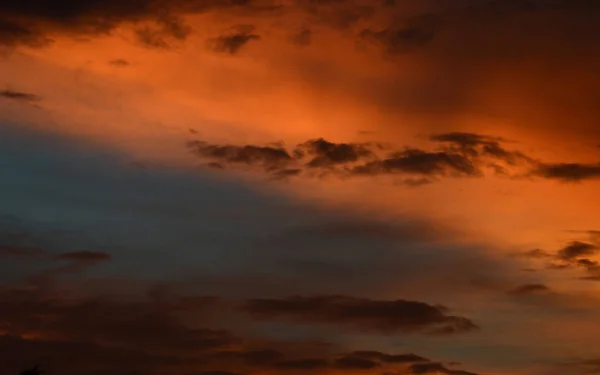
[[303, 364], [249, 155], [534, 254], [84, 256], [262, 357], [163, 33], [119, 62], [15, 33], [231, 43], [575, 254], [567, 172], [20, 96], [415, 161], [286, 173], [303, 38], [529, 289], [327, 154], [476, 145], [576, 249], [360, 313], [388, 358], [355, 363], [404, 37], [396, 41], [435, 368]]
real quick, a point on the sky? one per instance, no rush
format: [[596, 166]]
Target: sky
[[289, 187]]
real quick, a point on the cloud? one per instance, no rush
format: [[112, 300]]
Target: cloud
[[327, 154], [575, 254], [149, 334], [419, 162], [435, 368], [303, 38], [534, 254], [354, 363], [303, 364], [161, 20], [456, 155], [477, 145], [231, 43], [150, 325], [466, 156], [19, 96], [403, 38], [84, 256], [119, 62], [568, 172], [576, 249], [388, 358], [529, 289], [362, 314], [12, 34], [249, 155]]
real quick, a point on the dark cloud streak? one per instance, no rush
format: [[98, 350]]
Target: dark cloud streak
[[362, 314]]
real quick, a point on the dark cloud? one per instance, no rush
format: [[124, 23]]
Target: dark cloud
[[576, 249], [529, 289], [150, 325], [106, 335], [303, 364], [415, 161], [28, 21], [435, 368], [327, 154], [402, 39], [365, 314], [568, 172], [119, 62], [355, 363], [338, 14], [12, 34], [264, 156], [575, 254], [534, 254], [262, 357], [455, 155], [476, 145], [19, 96], [231, 43], [303, 38], [389, 358], [84, 256]]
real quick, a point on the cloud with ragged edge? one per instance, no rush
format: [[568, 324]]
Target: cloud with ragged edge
[[529, 289], [575, 254], [568, 172], [149, 335], [29, 22], [458, 154], [20, 96], [231, 43], [361, 159], [363, 314]]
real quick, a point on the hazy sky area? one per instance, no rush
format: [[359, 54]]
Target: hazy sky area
[[290, 187]]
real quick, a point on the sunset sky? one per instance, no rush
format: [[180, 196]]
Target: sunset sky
[[289, 187]]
